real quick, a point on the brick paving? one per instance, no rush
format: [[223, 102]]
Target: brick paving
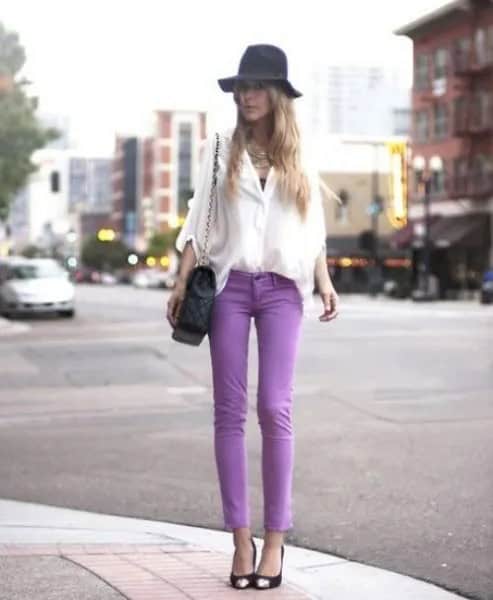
[[153, 571]]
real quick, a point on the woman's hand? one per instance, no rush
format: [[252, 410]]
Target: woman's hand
[[330, 300], [174, 303]]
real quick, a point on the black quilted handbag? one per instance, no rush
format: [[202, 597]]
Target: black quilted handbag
[[193, 320]]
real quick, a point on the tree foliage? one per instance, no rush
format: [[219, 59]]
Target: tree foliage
[[20, 132], [161, 243], [104, 256], [32, 251]]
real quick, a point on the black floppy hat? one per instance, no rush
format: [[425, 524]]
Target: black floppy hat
[[262, 62]]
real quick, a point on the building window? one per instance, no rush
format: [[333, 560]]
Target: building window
[[481, 174], [481, 111], [481, 165], [184, 166], [440, 121], [341, 210], [438, 182], [489, 44], [422, 126], [402, 121], [461, 170], [422, 72], [460, 114], [462, 54], [440, 63], [480, 47]]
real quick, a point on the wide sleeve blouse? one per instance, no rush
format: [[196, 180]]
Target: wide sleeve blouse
[[193, 228], [316, 228]]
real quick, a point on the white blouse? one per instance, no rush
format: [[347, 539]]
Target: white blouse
[[255, 231]]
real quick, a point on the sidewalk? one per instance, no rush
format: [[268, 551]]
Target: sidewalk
[[51, 553]]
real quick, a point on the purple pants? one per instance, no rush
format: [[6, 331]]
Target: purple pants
[[276, 306]]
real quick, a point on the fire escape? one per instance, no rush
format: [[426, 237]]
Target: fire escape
[[473, 115]]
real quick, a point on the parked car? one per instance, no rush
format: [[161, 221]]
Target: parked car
[[153, 278], [34, 285], [486, 294], [87, 275], [108, 278]]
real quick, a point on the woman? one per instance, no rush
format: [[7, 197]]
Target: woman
[[266, 244]]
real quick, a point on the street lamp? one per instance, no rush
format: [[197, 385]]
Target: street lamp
[[424, 173]]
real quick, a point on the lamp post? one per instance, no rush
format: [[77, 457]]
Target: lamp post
[[424, 173]]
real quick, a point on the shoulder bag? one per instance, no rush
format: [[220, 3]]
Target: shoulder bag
[[194, 315]]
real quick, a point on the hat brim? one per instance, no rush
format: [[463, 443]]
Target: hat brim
[[227, 83]]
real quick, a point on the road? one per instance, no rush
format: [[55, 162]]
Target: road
[[393, 417]]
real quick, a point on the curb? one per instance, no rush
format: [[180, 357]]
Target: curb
[[322, 576]]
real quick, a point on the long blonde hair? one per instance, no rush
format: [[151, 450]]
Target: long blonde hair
[[283, 150]]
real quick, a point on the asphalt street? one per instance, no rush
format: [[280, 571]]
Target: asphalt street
[[393, 413]]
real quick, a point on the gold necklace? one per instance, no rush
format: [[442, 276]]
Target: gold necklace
[[260, 158]]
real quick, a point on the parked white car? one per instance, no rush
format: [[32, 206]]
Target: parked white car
[[152, 278], [33, 285]]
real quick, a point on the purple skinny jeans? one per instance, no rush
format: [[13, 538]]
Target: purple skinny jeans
[[275, 304]]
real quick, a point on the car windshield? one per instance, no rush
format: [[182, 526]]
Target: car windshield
[[35, 271]]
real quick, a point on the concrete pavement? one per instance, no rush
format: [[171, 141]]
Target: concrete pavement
[[49, 553], [8, 327]]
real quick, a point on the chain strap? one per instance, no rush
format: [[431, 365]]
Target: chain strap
[[204, 257]]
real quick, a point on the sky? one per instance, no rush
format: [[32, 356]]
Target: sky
[[107, 65]]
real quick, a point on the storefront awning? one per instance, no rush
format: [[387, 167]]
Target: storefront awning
[[465, 230], [407, 236]]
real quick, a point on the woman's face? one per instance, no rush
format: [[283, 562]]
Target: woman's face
[[253, 100]]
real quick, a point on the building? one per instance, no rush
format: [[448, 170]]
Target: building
[[58, 200], [39, 214], [90, 183], [357, 100], [154, 177], [359, 171], [452, 104]]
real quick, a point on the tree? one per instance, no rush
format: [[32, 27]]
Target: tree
[[104, 255], [161, 243], [32, 251], [20, 132]]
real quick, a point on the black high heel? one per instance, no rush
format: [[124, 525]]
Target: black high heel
[[242, 582], [266, 582]]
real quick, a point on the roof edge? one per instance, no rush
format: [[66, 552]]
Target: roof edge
[[440, 12]]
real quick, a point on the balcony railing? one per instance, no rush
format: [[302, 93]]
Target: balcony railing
[[466, 63], [474, 117], [476, 185]]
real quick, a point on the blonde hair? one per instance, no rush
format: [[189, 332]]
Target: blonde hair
[[283, 150]]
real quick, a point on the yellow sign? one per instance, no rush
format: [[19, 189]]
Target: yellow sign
[[397, 207]]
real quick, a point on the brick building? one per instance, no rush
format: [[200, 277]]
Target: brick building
[[452, 105], [154, 177]]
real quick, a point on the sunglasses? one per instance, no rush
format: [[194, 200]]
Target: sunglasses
[[246, 86]]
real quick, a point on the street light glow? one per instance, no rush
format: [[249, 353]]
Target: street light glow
[[436, 164], [419, 163], [132, 259], [106, 235]]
